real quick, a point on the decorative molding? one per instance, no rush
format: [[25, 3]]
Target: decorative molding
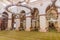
[[28, 16], [42, 15], [18, 6]]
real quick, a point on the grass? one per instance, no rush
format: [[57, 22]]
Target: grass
[[23, 35]]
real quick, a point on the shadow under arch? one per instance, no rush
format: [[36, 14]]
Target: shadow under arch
[[22, 20], [35, 20], [4, 21], [28, 12]]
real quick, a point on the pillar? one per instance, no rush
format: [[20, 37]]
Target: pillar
[[43, 24], [17, 20], [17, 24], [28, 23], [9, 26], [58, 28]]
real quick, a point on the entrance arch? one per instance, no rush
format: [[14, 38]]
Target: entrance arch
[[18, 11], [52, 16], [35, 19]]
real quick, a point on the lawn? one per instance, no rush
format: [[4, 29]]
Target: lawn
[[23, 35]]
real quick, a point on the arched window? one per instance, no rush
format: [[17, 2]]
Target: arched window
[[35, 19], [52, 16]]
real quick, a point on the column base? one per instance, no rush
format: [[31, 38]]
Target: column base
[[9, 29], [43, 24], [28, 23], [27, 29], [58, 29], [9, 25], [17, 29], [41, 30]]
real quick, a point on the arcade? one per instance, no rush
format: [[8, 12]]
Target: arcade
[[28, 15]]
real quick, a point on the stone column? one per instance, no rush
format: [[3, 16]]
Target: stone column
[[9, 21], [28, 23], [17, 24], [33, 24], [58, 28], [43, 24]]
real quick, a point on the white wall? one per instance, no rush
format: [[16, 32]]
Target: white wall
[[42, 7], [40, 4]]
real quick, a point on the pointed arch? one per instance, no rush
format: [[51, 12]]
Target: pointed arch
[[35, 19], [52, 16]]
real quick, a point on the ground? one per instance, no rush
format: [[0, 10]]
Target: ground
[[23, 35]]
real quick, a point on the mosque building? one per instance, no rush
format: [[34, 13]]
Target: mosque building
[[30, 15]]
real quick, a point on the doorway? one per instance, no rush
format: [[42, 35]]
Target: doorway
[[52, 16], [52, 27]]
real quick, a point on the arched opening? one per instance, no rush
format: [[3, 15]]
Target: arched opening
[[4, 21], [52, 16], [35, 19], [22, 20], [22, 11]]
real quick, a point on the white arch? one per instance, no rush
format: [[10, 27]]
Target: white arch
[[18, 9]]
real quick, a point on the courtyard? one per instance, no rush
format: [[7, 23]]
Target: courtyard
[[33, 35]]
